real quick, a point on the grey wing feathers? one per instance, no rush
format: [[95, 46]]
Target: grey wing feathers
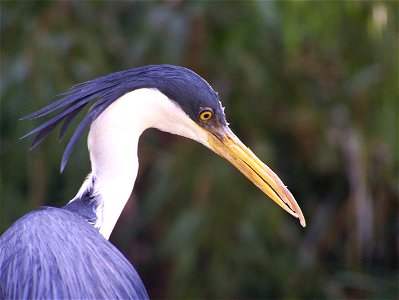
[[53, 253]]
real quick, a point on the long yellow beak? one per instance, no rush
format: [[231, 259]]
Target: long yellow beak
[[228, 145]]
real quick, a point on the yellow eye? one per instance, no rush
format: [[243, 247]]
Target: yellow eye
[[205, 115]]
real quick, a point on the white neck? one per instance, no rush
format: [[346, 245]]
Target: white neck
[[113, 140]]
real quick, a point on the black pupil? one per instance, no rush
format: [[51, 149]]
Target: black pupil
[[206, 115]]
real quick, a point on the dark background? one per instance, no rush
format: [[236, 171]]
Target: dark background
[[311, 87]]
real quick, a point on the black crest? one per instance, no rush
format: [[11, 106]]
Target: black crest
[[179, 84]]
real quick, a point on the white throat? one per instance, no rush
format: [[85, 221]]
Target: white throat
[[113, 140]]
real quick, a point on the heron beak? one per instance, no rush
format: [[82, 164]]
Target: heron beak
[[225, 143]]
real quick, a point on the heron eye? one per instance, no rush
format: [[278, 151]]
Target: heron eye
[[205, 115]]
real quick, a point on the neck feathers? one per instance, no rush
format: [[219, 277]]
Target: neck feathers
[[86, 203], [112, 143]]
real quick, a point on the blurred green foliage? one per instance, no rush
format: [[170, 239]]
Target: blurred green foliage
[[311, 87]]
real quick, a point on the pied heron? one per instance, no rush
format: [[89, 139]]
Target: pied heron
[[64, 252]]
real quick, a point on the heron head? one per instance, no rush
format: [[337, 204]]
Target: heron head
[[201, 103]]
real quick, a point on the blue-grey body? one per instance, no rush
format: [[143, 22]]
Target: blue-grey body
[[53, 253]]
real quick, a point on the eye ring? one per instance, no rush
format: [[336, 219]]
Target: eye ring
[[206, 115]]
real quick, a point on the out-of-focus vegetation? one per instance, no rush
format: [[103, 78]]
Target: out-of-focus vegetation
[[311, 87]]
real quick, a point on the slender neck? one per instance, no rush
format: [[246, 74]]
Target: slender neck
[[112, 143], [113, 155]]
